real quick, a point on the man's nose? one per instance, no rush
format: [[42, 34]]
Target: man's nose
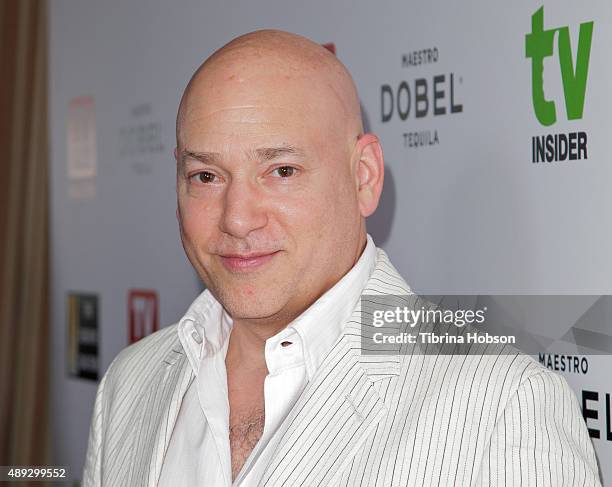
[[243, 209]]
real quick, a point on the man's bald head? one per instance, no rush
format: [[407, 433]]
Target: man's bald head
[[288, 58]]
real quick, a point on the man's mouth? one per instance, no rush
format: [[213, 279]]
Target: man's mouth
[[247, 262]]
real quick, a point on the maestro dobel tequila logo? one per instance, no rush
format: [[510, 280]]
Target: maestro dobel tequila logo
[[539, 45], [421, 99]]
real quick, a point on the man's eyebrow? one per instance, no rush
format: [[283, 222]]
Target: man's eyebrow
[[269, 153], [205, 157]]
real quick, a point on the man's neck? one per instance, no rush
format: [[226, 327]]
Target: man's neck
[[248, 337], [246, 346]]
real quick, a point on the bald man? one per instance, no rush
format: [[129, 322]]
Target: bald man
[[262, 382]]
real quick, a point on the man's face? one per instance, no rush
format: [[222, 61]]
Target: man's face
[[266, 189]]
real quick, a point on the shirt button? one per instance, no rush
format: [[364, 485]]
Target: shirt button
[[196, 337], [285, 343]]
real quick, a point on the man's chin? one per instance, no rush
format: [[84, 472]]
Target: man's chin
[[238, 311], [250, 304]]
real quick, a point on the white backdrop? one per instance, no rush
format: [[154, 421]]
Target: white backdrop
[[469, 214]]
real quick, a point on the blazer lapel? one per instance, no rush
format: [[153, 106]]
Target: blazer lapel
[[159, 409], [341, 406], [331, 419]]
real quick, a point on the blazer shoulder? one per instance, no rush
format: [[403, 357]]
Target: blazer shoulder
[[517, 365], [143, 354], [501, 369]]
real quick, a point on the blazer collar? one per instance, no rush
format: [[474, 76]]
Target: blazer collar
[[329, 422], [385, 281]]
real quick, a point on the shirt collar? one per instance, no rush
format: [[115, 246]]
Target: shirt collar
[[322, 323], [205, 327]]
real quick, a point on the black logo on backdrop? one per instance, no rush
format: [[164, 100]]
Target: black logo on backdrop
[[419, 100]]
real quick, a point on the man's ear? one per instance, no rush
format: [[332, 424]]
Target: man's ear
[[370, 173]]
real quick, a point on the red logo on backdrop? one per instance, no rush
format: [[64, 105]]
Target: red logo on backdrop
[[330, 46], [143, 314]]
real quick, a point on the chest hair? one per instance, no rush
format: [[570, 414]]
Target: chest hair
[[246, 428]]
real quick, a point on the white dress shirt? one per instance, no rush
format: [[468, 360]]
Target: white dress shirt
[[199, 450]]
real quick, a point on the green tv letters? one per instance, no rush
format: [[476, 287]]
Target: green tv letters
[[539, 45]]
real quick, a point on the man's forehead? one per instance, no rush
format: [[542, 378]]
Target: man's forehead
[[246, 88], [260, 114], [217, 124]]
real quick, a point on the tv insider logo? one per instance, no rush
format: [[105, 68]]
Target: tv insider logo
[[539, 45]]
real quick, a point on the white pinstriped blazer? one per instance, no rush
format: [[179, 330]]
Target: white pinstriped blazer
[[364, 420]]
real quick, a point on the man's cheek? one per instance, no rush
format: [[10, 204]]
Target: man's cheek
[[199, 217]]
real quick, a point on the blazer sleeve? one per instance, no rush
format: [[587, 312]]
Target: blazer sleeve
[[92, 473], [540, 439]]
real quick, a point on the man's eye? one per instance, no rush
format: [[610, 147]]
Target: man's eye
[[205, 177], [285, 171]]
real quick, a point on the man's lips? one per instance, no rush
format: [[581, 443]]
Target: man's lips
[[247, 262]]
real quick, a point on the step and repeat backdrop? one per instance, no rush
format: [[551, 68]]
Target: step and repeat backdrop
[[494, 120]]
